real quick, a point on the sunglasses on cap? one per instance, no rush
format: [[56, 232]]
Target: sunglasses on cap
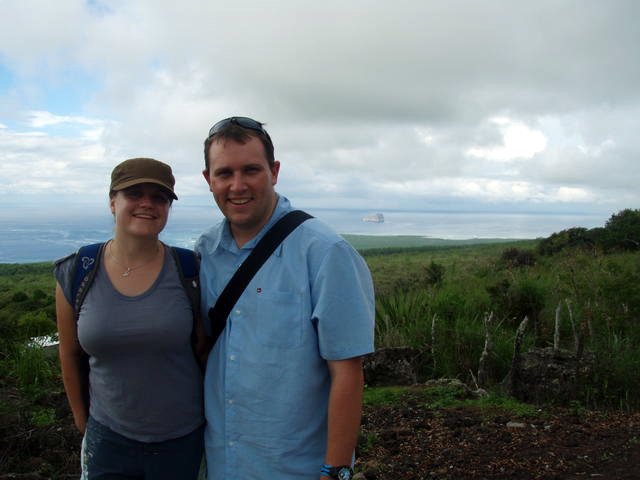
[[244, 122]]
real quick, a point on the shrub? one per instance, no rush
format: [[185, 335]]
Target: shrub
[[38, 295], [43, 417], [620, 233], [526, 298], [577, 237], [449, 304], [623, 230], [515, 257], [401, 319], [32, 369], [19, 297], [434, 273], [36, 324], [8, 330]]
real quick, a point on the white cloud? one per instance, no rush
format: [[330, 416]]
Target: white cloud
[[570, 194], [425, 136], [39, 119], [37, 162], [367, 102], [518, 141]]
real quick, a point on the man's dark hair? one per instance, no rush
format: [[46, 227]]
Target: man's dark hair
[[238, 134]]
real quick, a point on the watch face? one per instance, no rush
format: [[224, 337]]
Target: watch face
[[344, 474]]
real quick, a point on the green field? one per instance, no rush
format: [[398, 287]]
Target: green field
[[368, 242], [433, 295]]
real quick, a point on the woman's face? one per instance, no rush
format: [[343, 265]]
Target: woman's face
[[141, 210]]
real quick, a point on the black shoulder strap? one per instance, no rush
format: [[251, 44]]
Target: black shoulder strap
[[261, 252]]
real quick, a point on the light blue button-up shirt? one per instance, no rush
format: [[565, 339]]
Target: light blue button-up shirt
[[267, 380]]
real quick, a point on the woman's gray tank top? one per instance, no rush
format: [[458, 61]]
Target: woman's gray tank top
[[144, 381]]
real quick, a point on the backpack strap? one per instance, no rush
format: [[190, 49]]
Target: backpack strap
[[86, 266], [84, 271], [261, 252], [88, 259], [188, 264]]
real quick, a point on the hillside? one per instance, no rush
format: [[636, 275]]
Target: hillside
[[579, 290]]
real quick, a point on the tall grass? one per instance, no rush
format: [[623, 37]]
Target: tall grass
[[402, 319], [33, 369], [601, 294]]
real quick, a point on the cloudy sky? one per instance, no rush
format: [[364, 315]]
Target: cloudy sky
[[411, 104]]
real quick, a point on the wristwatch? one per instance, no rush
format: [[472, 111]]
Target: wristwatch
[[343, 472]]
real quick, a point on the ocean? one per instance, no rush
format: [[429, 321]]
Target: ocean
[[27, 238]]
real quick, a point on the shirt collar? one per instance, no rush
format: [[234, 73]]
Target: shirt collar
[[225, 239]]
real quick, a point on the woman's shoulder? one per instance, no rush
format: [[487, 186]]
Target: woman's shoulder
[[60, 262], [86, 257]]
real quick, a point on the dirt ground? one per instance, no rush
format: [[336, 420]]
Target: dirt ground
[[28, 452], [406, 441], [409, 441]]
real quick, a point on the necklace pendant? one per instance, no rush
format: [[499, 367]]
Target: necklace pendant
[[126, 274]]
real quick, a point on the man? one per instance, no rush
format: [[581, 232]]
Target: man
[[284, 382]]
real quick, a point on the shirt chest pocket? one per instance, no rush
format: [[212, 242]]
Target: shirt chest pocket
[[279, 319]]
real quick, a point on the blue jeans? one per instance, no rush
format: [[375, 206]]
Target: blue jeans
[[107, 455]]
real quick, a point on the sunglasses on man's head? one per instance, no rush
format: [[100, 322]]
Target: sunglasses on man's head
[[244, 122]]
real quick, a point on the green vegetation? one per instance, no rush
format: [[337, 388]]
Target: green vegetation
[[33, 370], [27, 305], [29, 374], [437, 300], [383, 395], [436, 397], [395, 243], [507, 404], [434, 296], [621, 233], [43, 417]]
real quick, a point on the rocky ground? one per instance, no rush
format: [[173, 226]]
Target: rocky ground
[[405, 440], [409, 441]]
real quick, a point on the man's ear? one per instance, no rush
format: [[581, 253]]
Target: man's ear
[[205, 174], [274, 172]]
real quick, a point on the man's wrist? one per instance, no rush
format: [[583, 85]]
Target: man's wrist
[[341, 472]]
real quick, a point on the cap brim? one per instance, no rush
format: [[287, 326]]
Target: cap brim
[[137, 181]]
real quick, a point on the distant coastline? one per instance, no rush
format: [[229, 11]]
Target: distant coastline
[[371, 242], [30, 239]]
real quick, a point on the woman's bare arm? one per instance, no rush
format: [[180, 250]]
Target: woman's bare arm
[[71, 360]]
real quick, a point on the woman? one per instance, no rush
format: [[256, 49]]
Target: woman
[[145, 415]]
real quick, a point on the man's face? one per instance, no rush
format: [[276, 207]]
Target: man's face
[[242, 184]]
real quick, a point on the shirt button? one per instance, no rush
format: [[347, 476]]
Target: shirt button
[[232, 443], [238, 312], [232, 357], [230, 401]]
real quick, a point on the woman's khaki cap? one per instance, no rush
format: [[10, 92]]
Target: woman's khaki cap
[[142, 170]]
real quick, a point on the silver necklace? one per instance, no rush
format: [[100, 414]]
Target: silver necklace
[[128, 270]]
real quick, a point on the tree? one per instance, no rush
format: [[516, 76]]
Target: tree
[[36, 324], [434, 273], [569, 238], [623, 230]]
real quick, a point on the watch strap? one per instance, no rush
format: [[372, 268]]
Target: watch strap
[[342, 472]]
